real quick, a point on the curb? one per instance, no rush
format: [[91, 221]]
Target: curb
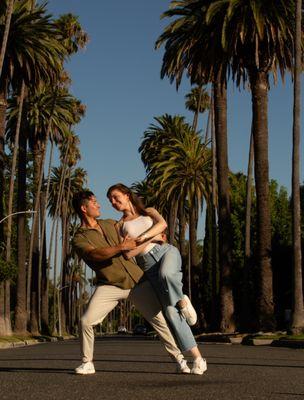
[[294, 344], [29, 342], [249, 340]]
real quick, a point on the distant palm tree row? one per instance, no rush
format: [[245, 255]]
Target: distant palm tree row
[[37, 112], [212, 42]]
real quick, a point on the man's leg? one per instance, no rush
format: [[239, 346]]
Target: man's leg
[[145, 300], [104, 299]]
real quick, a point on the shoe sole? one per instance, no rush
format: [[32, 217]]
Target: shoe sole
[[85, 373], [189, 304], [199, 373]]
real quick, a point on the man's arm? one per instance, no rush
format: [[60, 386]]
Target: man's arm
[[160, 238], [105, 253]]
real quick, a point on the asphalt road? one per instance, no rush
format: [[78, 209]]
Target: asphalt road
[[134, 369]]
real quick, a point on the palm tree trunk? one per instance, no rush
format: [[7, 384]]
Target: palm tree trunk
[[196, 114], [8, 16], [193, 258], [34, 241], [297, 320], [2, 310], [10, 204], [259, 89], [55, 290], [20, 309], [249, 199], [45, 267], [247, 320], [3, 107], [42, 270], [209, 119], [227, 323], [33, 273], [182, 240], [172, 221]]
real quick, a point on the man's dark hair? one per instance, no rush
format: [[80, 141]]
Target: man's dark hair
[[79, 199]]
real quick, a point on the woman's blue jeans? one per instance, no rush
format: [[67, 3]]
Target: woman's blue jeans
[[162, 266]]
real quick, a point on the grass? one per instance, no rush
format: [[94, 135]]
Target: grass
[[278, 337], [14, 338]]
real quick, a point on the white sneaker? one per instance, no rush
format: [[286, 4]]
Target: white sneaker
[[189, 312], [182, 367], [199, 367], [85, 368]]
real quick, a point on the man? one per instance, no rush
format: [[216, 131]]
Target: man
[[96, 242]]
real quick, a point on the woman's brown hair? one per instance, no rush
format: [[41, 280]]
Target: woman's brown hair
[[135, 200]]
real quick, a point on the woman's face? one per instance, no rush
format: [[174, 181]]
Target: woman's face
[[120, 201]]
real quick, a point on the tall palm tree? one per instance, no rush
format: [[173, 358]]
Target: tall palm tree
[[194, 47], [258, 38], [297, 321], [73, 38], [20, 62], [60, 207]]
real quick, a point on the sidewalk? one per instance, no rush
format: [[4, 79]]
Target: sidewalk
[[260, 339]]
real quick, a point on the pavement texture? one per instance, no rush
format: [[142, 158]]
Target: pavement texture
[[135, 368]]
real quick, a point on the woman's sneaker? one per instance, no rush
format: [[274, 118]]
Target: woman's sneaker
[[188, 312], [182, 367], [86, 368], [199, 366]]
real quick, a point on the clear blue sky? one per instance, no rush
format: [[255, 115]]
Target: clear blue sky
[[118, 78]]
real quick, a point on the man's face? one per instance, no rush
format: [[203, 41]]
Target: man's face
[[91, 208]]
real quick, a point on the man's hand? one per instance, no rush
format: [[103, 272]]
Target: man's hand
[[128, 244]]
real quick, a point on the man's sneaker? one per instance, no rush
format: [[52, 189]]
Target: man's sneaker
[[188, 312], [85, 368], [199, 366], [182, 367]]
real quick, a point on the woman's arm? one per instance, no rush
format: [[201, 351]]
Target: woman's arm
[[159, 225]]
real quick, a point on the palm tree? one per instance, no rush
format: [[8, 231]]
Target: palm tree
[[257, 51], [155, 138], [8, 15], [56, 111], [183, 173], [72, 37], [197, 101], [33, 53], [19, 61], [193, 46], [297, 321], [60, 206]]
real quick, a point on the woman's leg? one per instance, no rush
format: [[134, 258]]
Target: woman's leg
[[170, 275], [165, 277]]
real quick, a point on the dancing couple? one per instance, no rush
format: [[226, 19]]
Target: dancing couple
[[132, 259]]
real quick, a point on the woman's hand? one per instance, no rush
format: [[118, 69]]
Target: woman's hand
[[141, 239], [161, 238]]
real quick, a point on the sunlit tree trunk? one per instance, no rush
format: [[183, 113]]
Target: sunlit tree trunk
[[227, 323], [259, 89], [297, 320]]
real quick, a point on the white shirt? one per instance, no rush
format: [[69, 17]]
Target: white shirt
[[135, 227]]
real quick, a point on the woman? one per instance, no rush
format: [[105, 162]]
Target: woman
[[161, 263]]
